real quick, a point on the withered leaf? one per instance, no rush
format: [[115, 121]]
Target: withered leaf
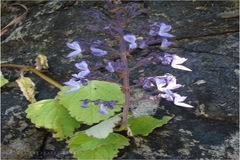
[[41, 62], [27, 87]]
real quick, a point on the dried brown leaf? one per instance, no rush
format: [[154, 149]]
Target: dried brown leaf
[[41, 62], [27, 87]]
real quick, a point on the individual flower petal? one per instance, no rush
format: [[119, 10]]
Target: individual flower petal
[[164, 29], [81, 74], [131, 39], [73, 84], [178, 101], [165, 43], [172, 82], [97, 52], [168, 96], [75, 46], [109, 67], [82, 66], [177, 61], [153, 33], [160, 83], [102, 109]]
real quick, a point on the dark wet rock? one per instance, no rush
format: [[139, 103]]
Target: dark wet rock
[[206, 33]]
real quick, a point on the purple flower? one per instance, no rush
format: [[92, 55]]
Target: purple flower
[[80, 75], [160, 29], [75, 46], [167, 81], [84, 103], [109, 67], [84, 82], [147, 84], [73, 84], [167, 59], [177, 61], [110, 106], [131, 39], [113, 102], [168, 95], [97, 52], [102, 109], [176, 98], [172, 82], [84, 67], [142, 44], [165, 43], [164, 29], [96, 102], [178, 101]]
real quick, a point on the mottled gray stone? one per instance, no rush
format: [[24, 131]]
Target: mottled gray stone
[[207, 33]]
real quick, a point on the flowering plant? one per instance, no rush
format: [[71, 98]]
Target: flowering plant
[[94, 96]]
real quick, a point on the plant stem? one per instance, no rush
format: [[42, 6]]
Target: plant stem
[[125, 70], [43, 76]]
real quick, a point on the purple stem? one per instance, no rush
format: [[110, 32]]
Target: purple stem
[[123, 55]]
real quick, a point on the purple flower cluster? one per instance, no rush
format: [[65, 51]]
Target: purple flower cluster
[[103, 104], [164, 84], [157, 34], [78, 78]]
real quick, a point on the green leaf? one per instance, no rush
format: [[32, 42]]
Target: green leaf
[[103, 129], [3, 80], [144, 125], [51, 115], [93, 91], [85, 147]]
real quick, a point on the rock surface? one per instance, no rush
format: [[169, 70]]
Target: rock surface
[[207, 33]]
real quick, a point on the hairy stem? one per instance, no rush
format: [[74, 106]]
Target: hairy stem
[[123, 56], [43, 76]]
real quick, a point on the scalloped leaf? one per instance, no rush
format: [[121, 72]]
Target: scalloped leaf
[[51, 115], [144, 125], [93, 91], [103, 129], [85, 147], [3, 80]]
